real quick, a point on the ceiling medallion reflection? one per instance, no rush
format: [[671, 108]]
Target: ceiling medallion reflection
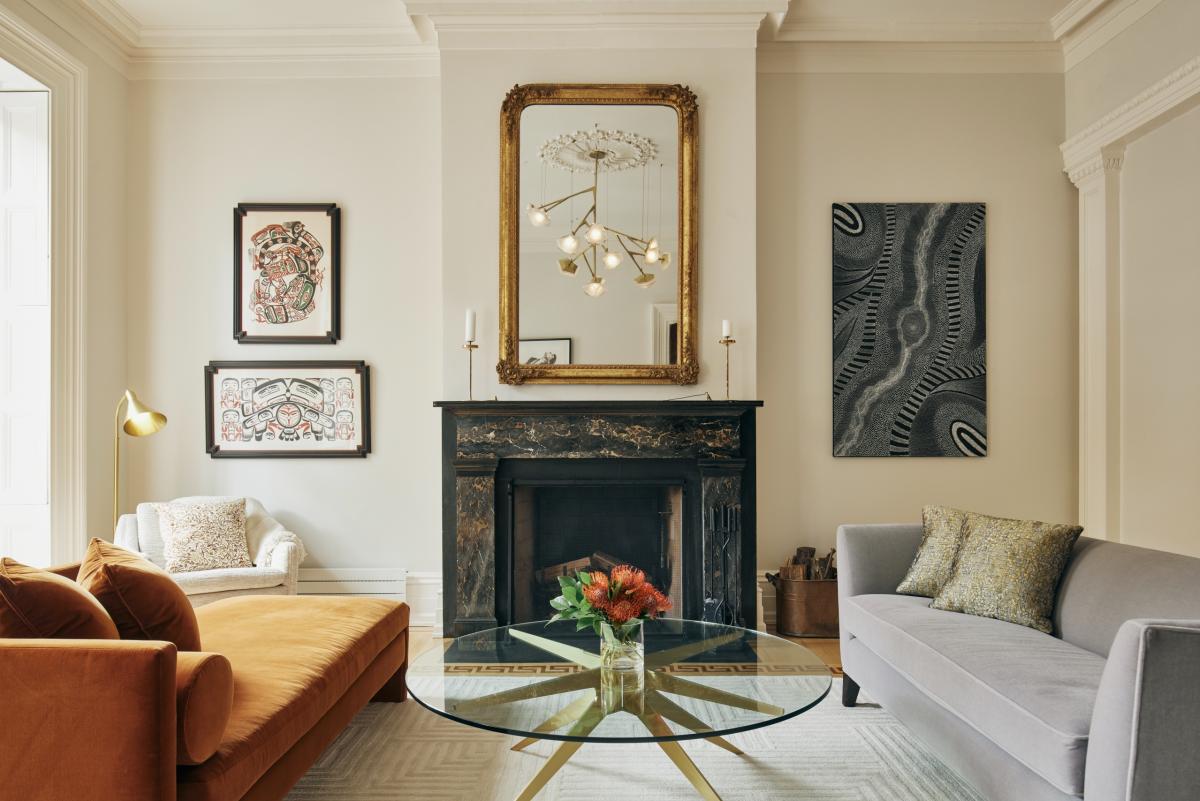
[[589, 241]]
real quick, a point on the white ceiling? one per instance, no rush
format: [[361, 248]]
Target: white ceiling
[[997, 20]]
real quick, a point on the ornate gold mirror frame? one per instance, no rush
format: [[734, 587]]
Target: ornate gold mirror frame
[[680, 98]]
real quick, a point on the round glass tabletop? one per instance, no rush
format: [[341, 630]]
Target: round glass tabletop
[[539, 681]]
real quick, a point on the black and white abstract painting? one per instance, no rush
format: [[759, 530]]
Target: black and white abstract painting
[[909, 344]]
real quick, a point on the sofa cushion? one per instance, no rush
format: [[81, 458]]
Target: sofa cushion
[[139, 596], [293, 657], [204, 536], [932, 567], [229, 578], [38, 603], [1029, 693], [203, 701]]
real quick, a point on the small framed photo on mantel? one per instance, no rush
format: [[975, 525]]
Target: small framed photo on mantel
[[287, 409], [286, 273]]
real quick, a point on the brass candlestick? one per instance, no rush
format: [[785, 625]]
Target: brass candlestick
[[470, 347], [727, 341]]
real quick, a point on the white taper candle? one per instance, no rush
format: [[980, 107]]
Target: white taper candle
[[726, 329], [470, 334]]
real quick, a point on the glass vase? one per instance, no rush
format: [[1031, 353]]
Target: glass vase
[[622, 674]]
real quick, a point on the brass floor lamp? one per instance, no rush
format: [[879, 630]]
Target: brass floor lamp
[[139, 420]]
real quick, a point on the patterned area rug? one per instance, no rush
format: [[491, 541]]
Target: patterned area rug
[[402, 751]]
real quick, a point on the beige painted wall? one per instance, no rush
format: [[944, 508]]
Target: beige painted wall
[[196, 149], [992, 138], [1159, 42], [105, 253], [474, 83], [1160, 280]]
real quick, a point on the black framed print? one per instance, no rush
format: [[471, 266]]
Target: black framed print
[[545, 351], [286, 265], [287, 409]]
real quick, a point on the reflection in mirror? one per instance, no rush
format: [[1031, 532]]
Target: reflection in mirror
[[598, 234]]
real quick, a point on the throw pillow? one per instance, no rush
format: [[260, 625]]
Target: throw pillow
[[143, 601], [934, 563], [204, 536], [1009, 570], [38, 603]]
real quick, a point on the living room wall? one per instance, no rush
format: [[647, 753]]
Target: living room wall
[[196, 149], [914, 137]]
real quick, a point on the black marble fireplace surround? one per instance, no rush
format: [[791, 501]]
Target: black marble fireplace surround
[[490, 447]]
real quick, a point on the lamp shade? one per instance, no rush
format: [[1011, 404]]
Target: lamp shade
[[140, 420]]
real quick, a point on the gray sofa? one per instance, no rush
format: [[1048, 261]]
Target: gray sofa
[[1107, 709]]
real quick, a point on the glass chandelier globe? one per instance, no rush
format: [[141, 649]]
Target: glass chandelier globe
[[537, 215], [645, 280], [612, 259], [595, 233], [568, 244], [595, 287]]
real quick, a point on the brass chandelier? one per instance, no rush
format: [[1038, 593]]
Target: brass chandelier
[[599, 244]]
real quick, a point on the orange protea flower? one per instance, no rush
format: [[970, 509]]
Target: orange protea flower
[[597, 592], [651, 601], [623, 610], [628, 577]]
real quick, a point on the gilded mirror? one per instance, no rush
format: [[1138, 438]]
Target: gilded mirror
[[598, 213]]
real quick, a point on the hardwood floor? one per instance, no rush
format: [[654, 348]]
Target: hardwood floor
[[828, 650]]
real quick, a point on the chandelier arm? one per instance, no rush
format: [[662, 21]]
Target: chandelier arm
[[643, 242], [553, 204], [632, 258], [583, 220]]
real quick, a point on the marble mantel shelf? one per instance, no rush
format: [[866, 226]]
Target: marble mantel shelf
[[486, 445]]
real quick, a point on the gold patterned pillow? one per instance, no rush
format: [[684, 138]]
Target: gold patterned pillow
[[934, 563], [204, 536], [1009, 570]]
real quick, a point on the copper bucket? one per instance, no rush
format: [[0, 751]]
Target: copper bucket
[[806, 608]]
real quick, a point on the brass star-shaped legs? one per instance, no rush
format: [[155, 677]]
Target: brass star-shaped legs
[[644, 700]]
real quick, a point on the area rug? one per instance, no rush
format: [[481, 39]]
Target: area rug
[[830, 753]]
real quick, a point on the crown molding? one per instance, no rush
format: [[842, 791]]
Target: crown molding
[[1087, 151], [861, 30], [963, 58], [591, 31], [1085, 26]]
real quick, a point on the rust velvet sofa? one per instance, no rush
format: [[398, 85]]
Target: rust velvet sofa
[[242, 720]]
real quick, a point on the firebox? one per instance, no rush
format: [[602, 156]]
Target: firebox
[[559, 530]]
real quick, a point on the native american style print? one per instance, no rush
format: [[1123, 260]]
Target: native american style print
[[909, 335], [287, 409], [286, 273]]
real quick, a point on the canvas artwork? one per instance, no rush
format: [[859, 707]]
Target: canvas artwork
[[276, 409], [546, 351], [285, 281], [909, 339]]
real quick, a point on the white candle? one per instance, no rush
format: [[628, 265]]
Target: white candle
[[726, 329], [470, 335]]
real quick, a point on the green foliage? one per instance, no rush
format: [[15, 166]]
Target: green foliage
[[572, 605]]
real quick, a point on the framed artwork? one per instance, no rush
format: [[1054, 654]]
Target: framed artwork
[[546, 351], [909, 333], [285, 273], [280, 409]]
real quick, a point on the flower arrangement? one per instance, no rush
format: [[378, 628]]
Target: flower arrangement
[[618, 601]]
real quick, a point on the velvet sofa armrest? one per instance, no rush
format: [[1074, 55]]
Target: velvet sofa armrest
[[1145, 732], [88, 720], [874, 558]]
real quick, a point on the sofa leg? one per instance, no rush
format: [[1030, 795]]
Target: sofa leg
[[849, 691], [396, 689]]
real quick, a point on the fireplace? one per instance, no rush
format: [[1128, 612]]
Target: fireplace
[[534, 490]]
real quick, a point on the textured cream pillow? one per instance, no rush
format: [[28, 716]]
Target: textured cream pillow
[[934, 563], [204, 536], [1009, 570]]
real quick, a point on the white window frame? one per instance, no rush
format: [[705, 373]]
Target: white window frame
[[66, 78]]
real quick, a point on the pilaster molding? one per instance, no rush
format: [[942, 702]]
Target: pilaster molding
[[67, 79], [1107, 161]]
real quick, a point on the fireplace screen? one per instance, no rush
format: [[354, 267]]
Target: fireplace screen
[[560, 529]]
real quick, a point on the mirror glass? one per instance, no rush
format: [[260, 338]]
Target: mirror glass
[[599, 234]]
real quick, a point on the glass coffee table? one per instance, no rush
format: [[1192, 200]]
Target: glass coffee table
[[539, 682]]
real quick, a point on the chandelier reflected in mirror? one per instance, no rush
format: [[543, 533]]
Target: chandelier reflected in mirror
[[589, 241]]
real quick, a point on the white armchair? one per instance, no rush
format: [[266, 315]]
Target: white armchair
[[276, 553]]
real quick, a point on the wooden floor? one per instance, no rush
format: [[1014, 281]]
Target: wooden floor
[[827, 649]]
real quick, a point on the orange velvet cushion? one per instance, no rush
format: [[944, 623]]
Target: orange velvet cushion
[[203, 701], [144, 602], [36, 603]]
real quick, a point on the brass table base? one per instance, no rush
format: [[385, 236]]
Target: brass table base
[[647, 703]]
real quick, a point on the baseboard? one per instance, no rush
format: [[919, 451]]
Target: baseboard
[[419, 589]]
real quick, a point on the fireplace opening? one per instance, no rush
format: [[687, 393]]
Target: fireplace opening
[[558, 530]]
